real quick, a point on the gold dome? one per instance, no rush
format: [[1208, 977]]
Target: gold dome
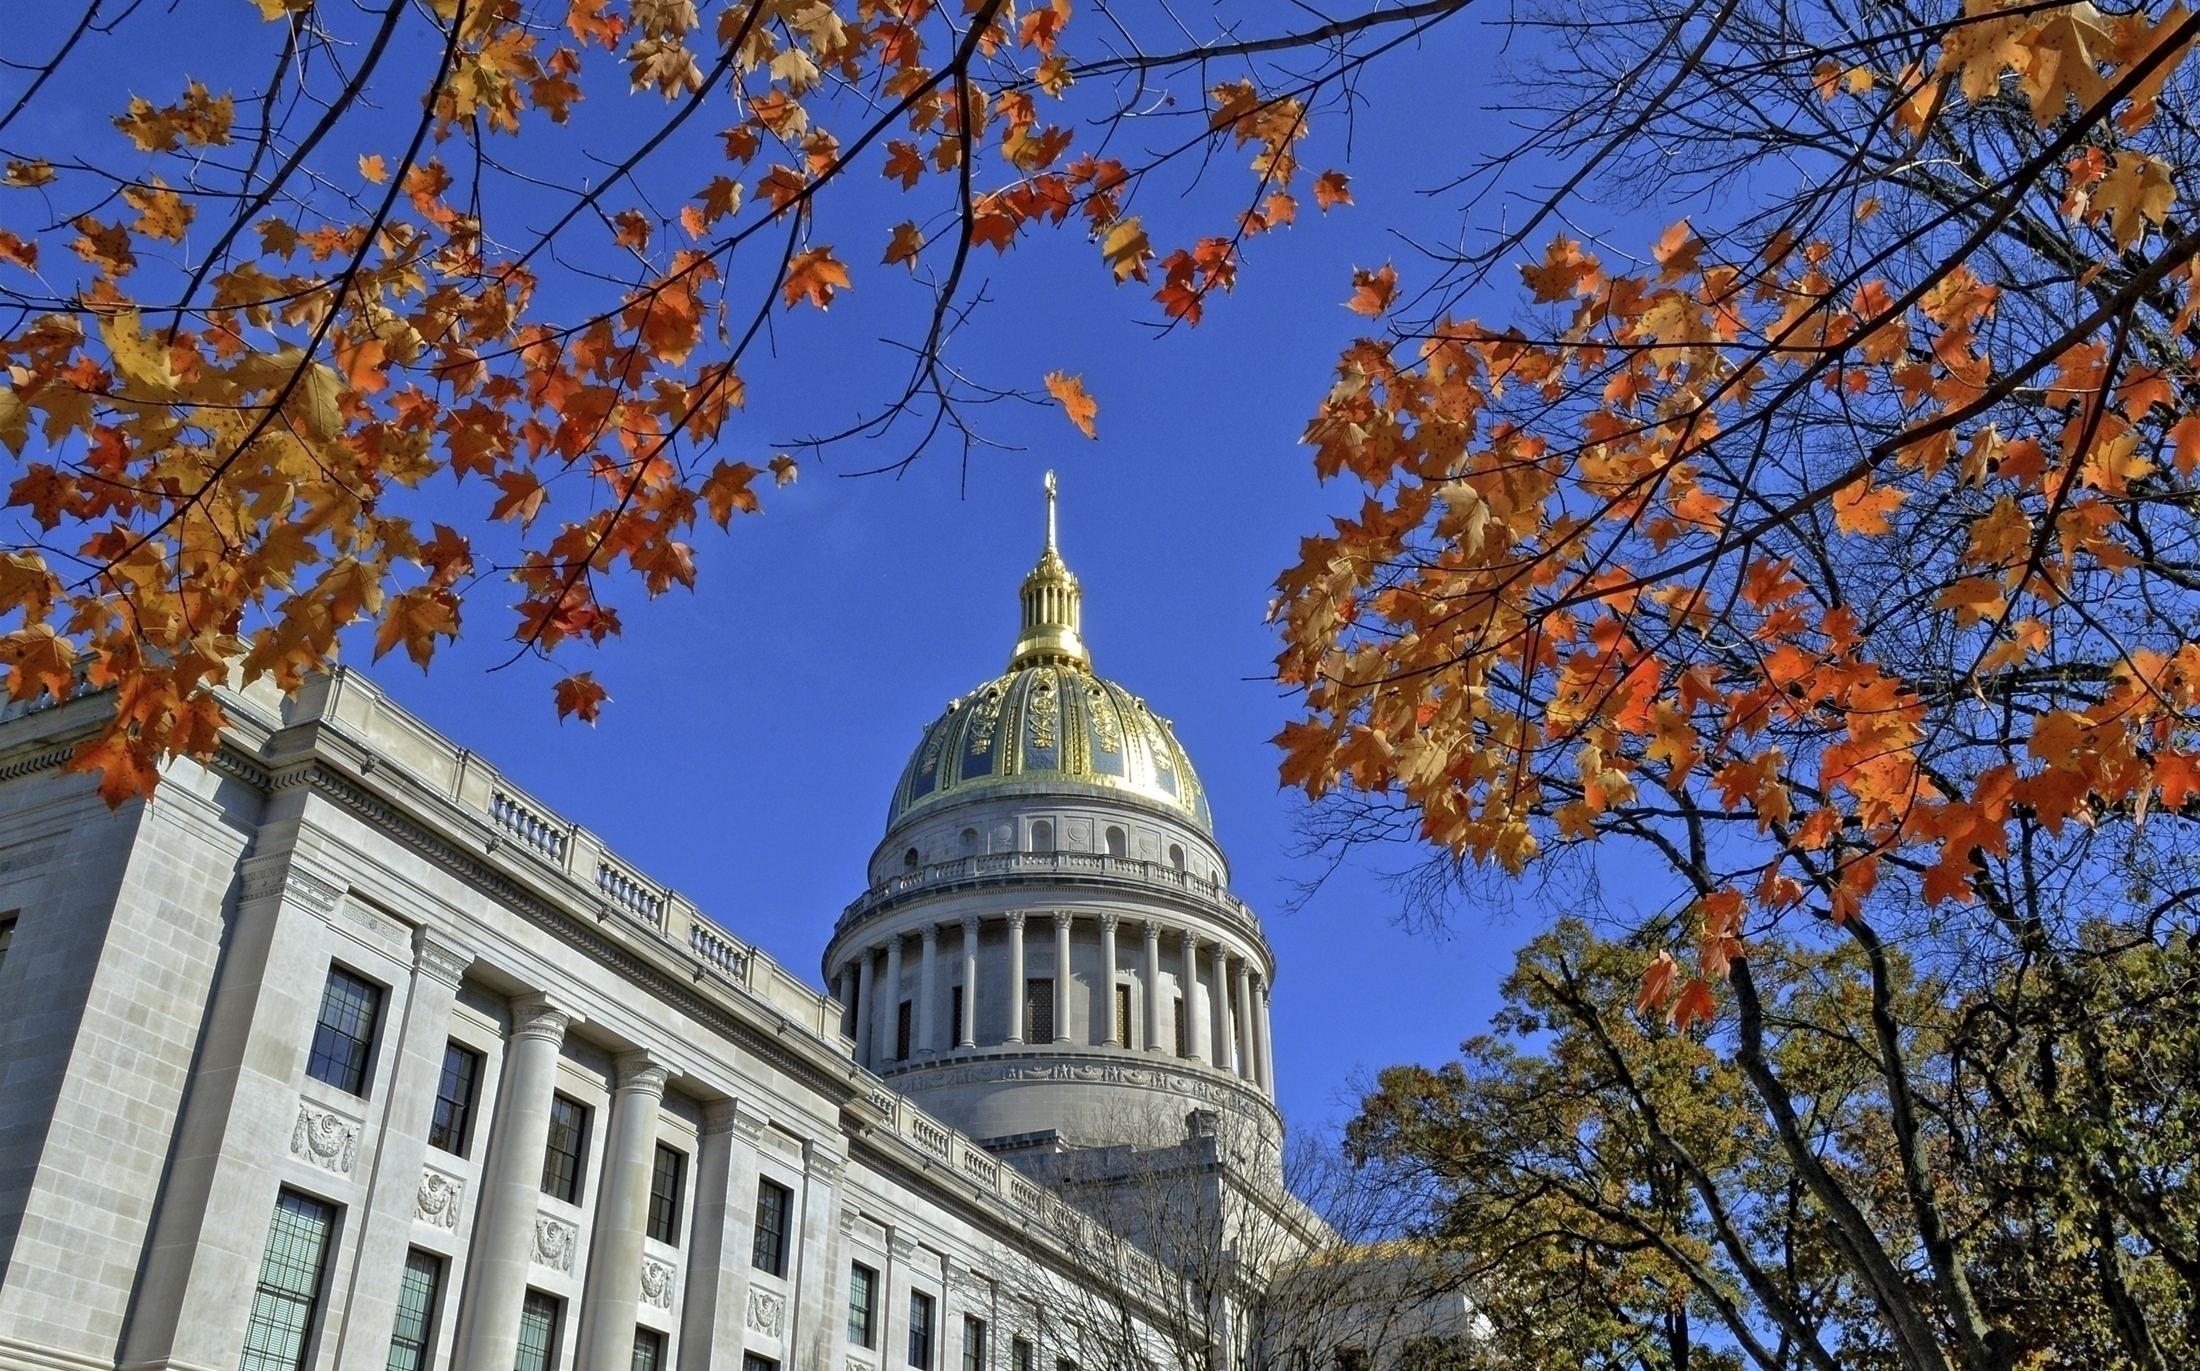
[[1049, 719]]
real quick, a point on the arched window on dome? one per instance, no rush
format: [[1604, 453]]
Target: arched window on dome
[[969, 842], [1176, 855], [1042, 836], [1119, 842], [910, 860]]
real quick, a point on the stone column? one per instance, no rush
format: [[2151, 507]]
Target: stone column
[[718, 1252], [504, 1224], [1015, 976], [846, 986], [866, 1009], [966, 1032], [1153, 986], [927, 993], [614, 1289], [1107, 982], [1260, 1036], [1242, 992], [1195, 1002], [889, 1006], [1225, 1046], [1061, 976]]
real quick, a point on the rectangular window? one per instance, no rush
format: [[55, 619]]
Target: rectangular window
[[955, 1015], [561, 1160], [664, 1195], [1123, 1016], [649, 1350], [1039, 1009], [538, 1333], [7, 935], [343, 1039], [1019, 1355], [1183, 1048], [973, 1343], [901, 1031], [862, 1305], [920, 1330], [452, 1124], [289, 1293], [769, 1251], [415, 1311], [751, 1362]]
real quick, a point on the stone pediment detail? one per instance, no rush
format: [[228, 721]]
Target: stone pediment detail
[[437, 1202], [325, 1138], [555, 1240], [658, 1281]]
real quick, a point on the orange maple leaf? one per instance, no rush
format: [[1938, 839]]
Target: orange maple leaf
[[582, 695], [1081, 408], [1331, 189], [813, 276], [1372, 290]]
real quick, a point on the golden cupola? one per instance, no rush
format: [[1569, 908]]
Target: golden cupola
[[1049, 722]]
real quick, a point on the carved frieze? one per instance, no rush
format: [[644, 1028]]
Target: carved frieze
[[657, 1282], [555, 1240], [437, 1202], [767, 1309], [325, 1138]]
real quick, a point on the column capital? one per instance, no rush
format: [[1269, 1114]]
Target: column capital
[[1015, 919], [734, 1116], [931, 934], [1062, 918], [539, 1016], [638, 1071], [971, 923], [437, 956], [1109, 920], [1152, 928]]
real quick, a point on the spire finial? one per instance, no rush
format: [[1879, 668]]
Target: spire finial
[[1050, 511]]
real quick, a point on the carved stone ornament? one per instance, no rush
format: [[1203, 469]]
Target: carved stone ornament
[[437, 1203], [766, 1309], [325, 1138], [444, 961], [555, 1240], [657, 1283]]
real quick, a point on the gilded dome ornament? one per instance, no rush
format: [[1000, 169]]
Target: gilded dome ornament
[[1049, 718]]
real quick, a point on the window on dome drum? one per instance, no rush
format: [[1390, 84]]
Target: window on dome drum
[[1039, 1009], [1176, 855], [955, 1014], [751, 1362], [920, 1330], [289, 1292], [1183, 1049], [409, 1339], [862, 1305], [973, 1343], [768, 1252], [910, 860], [649, 1350], [451, 1126], [1042, 836], [561, 1159], [1123, 1015], [7, 935], [1019, 1355], [343, 1039], [664, 1195], [1119, 843], [538, 1333], [901, 1031]]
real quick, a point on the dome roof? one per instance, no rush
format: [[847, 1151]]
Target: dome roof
[[1050, 719], [1045, 723]]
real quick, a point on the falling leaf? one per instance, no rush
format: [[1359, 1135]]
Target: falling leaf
[[1081, 408], [580, 695]]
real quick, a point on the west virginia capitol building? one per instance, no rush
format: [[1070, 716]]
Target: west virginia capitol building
[[343, 1053]]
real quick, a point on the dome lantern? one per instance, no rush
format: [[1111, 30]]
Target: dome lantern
[[1053, 610]]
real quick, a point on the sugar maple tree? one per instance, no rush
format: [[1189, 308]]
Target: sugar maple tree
[[247, 328], [1837, 552]]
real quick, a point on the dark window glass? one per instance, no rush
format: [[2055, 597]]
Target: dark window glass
[[538, 1333], [344, 1037], [751, 1362], [289, 1292], [973, 1343], [1351, 1359], [955, 1015], [7, 935], [920, 1330], [1039, 1009], [664, 1195], [415, 1311], [1019, 1355], [769, 1252], [1123, 1016], [901, 1031], [1183, 1049], [649, 1350], [862, 1305], [451, 1127], [561, 1160]]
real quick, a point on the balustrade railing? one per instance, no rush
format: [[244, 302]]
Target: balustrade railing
[[1160, 875], [630, 894], [531, 829]]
